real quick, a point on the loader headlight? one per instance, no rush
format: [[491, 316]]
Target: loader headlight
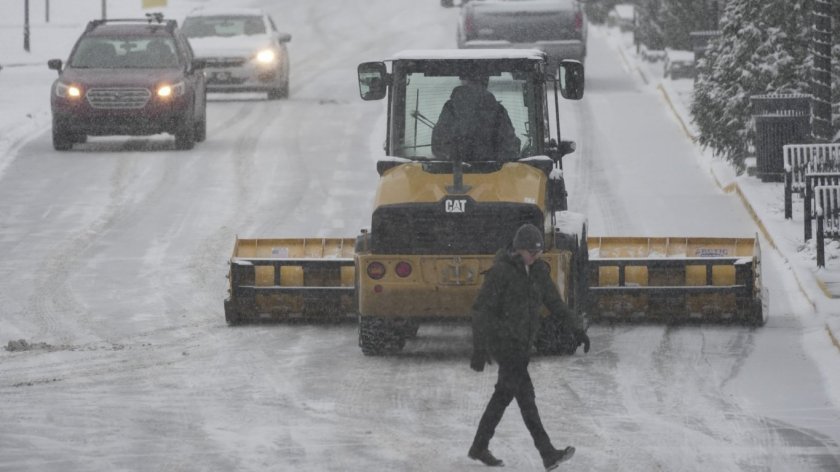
[[171, 90], [71, 91], [376, 270], [266, 56]]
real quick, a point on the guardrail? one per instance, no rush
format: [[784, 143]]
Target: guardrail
[[813, 180], [802, 159], [827, 199]]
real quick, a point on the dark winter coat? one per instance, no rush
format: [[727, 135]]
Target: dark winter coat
[[506, 312], [475, 127]]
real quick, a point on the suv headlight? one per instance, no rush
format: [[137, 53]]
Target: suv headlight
[[267, 56], [171, 90], [71, 91]]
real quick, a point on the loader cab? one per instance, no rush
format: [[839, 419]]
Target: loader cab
[[421, 82]]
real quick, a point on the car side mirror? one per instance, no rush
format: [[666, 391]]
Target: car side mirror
[[284, 37], [199, 64], [571, 79], [54, 64], [373, 80]]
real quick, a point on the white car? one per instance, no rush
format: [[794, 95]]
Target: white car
[[242, 48]]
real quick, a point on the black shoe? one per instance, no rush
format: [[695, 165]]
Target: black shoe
[[485, 457], [553, 459]]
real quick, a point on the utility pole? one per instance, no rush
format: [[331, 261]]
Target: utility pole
[[46, 11], [26, 25], [821, 75], [104, 9]]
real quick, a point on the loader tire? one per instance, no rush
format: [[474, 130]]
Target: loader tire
[[410, 330], [378, 337], [554, 339]]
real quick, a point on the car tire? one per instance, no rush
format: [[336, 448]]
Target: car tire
[[185, 135], [201, 130], [280, 92], [62, 140]]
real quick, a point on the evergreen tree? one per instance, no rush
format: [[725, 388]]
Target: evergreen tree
[[650, 31], [596, 12], [835, 69], [681, 17], [763, 48]]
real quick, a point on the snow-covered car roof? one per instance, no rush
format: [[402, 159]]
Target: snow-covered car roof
[[624, 10], [432, 54], [677, 55], [216, 11]]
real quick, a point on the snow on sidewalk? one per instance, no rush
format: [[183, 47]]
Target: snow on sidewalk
[[764, 200]]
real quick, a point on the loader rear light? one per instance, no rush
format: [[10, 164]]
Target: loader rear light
[[403, 269], [578, 21], [376, 270]]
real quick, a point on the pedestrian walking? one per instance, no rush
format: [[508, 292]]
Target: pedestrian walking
[[506, 320]]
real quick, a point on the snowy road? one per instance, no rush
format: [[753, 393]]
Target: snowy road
[[114, 256]]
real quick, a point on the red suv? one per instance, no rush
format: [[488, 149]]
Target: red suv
[[129, 77]]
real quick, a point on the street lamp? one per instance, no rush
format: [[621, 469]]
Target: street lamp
[[26, 25]]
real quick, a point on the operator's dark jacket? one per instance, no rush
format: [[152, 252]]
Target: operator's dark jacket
[[475, 127], [506, 313]]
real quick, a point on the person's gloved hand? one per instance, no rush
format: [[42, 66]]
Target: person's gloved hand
[[582, 338], [479, 359]]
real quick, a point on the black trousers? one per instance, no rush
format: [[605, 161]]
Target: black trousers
[[514, 382]]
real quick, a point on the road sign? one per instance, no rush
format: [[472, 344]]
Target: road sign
[[154, 3]]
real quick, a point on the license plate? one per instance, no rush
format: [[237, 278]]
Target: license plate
[[221, 76], [457, 271]]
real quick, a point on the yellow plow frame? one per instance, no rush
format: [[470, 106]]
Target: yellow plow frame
[[675, 279], [667, 280], [286, 279]]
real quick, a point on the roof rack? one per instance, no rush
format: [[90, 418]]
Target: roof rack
[[154, 19]]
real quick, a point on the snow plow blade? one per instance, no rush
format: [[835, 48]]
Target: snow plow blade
[[308, 279], [676, 280]]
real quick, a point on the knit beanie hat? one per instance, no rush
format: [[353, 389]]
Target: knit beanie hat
[[528, 237]]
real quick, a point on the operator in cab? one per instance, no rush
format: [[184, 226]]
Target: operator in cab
[[474, 126]]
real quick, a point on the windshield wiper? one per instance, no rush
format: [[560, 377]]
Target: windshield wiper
[[422, 119]]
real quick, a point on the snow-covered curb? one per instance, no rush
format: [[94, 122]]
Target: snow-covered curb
[[747, 190]]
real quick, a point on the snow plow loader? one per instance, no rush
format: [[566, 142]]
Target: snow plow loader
[[438, 222]]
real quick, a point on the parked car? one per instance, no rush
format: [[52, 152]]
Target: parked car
[[622, 16], [678, 64], [242, 49], [129, 77], [557, 27]]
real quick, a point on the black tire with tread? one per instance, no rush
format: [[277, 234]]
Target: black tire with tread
[[377, 337], [280, 92], [62, 141], [185, 135]]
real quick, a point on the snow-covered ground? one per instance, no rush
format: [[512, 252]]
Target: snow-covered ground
[[114, 262], [765, 199]]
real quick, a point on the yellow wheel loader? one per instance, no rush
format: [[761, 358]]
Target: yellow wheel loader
[[439, 220]]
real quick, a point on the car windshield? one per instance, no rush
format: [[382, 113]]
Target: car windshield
[[125, 53], [424, 96], [206, 26]]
